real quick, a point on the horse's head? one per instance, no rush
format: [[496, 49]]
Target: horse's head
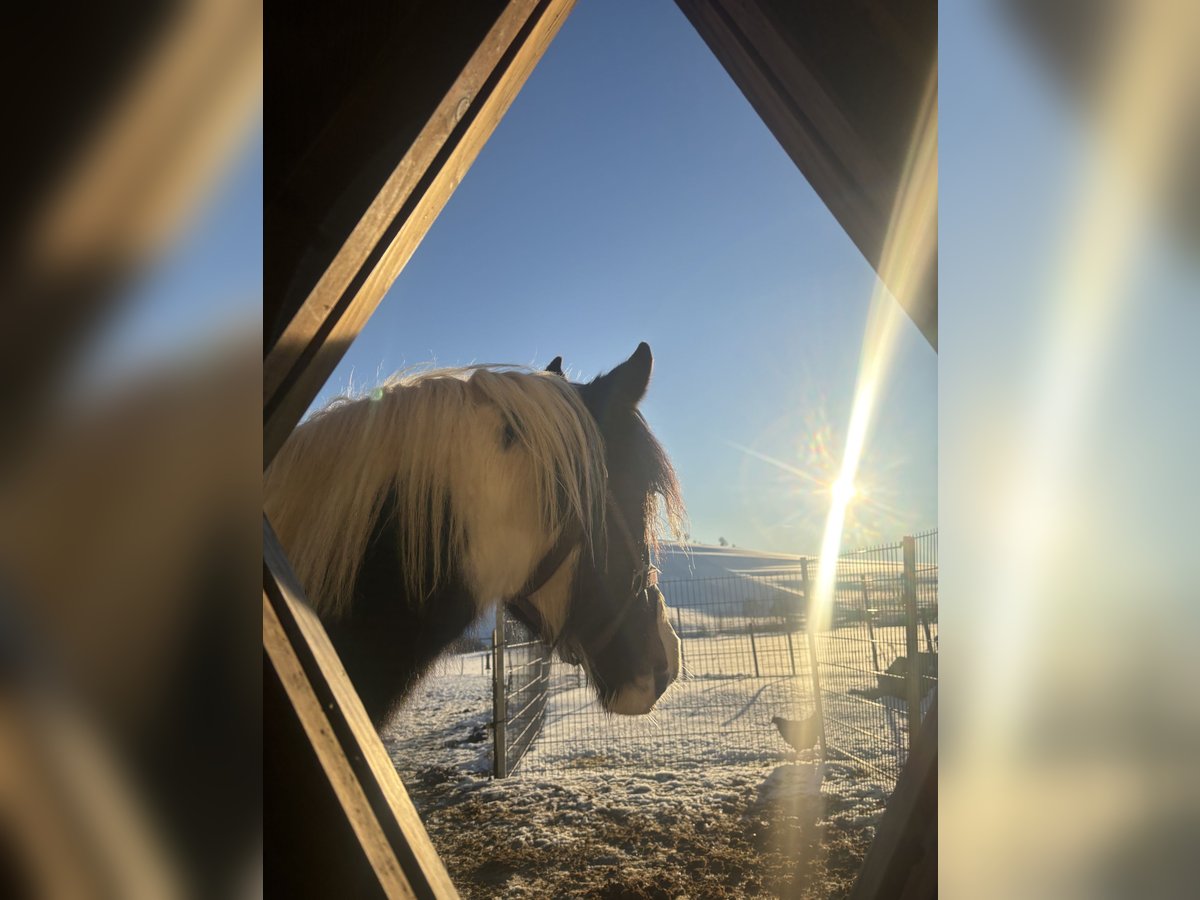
[[615, 622]]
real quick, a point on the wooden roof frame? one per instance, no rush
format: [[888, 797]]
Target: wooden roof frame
[[362, 236]]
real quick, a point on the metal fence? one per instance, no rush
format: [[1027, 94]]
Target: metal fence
[[520, 688], [878, 659], [748, 656], [744, 658]]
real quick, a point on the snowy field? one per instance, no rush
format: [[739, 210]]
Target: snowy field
[[700, 799], [720, 714]]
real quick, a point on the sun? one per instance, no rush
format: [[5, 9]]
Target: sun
[[843, 491]]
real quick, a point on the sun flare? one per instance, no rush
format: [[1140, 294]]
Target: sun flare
[[911, 241], [843, 491]]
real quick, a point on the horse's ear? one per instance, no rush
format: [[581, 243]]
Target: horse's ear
[[628, 381], [556, 366]]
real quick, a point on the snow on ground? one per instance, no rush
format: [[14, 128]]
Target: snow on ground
[[720, 713], [700, 799]]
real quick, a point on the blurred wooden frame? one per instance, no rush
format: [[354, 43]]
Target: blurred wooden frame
[[362, 234]]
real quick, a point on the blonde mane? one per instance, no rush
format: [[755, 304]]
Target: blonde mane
[[433, 444]]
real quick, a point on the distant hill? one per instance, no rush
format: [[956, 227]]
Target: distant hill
[[732, 581], [691, 561], [699, 562]]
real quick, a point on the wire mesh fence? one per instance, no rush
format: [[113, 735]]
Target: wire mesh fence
[[744, 658], [521, 673], [747, 658], [870, 685]]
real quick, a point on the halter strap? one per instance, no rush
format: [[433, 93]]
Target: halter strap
[[610, 631], [544, 571], [550, 563], [553, 561]]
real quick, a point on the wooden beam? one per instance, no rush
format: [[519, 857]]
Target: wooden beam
[[1080, 57], [141, 138], [839, 85], [74, 824], [351, 756], [392, 225]]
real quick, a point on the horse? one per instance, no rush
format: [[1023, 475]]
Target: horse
[[410, 511]]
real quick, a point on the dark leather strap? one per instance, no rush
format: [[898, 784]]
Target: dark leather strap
[[568, 540], [551, 562]]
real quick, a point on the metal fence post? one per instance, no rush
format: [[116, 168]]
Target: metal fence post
[[499, 704], [812, 653], [910, 634], [870, 624], [753, 647], [679, 634]]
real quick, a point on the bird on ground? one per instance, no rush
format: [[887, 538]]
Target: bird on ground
[[800, 734]]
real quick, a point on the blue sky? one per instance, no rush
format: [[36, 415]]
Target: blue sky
[[206, 285], [631, 193]]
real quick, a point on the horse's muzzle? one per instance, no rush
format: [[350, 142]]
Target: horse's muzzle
[[662, 681]]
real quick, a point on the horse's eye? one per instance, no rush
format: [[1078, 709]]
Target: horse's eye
[[509, 437]]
